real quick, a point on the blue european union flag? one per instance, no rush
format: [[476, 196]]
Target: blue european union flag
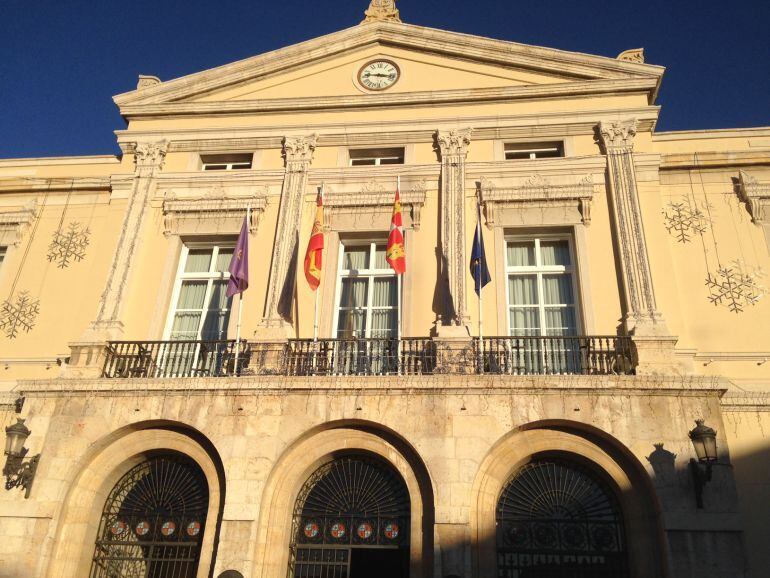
[[479, 268]]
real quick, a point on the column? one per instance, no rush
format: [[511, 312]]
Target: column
[[298, 152], [453, 145]]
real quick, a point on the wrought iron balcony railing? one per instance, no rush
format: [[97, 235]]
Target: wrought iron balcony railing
[[161, 359], [570, 355], [391, 356]]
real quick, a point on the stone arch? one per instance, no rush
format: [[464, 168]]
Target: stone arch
[[586, 445], [309, 452], [101, 469]]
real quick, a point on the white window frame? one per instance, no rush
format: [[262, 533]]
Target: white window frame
[[539, 270], [377, 158], [227, 162], [210, 277], [370, 274], [533, 148]]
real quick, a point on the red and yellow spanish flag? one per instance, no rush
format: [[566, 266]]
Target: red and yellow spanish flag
[[315, 247], [394, 254]]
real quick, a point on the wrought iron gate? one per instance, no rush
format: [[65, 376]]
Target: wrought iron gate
[[153, 522], [556, 519], [348, 504]]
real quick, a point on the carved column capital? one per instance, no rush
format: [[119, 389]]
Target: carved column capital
[[454, 142], [299, 148], [150, 155], [617, 135]]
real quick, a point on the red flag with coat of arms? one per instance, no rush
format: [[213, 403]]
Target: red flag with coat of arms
[[395, 254], [315, 247]]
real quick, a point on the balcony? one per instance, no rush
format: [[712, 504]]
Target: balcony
[[515, 356]]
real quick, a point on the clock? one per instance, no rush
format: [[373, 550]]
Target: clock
[[379, 75]]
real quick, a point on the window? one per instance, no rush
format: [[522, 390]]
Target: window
[[376, 157], [533, 150], [367, 293], [3, 251], [541, 289], [201, 308], [226, 162]]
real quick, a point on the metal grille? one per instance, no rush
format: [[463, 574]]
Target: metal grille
[[555, 519], [347, 504], [153, 522]]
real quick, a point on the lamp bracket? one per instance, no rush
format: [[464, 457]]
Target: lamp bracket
[[19, 471]]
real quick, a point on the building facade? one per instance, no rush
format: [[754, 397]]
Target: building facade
[[626, 302]]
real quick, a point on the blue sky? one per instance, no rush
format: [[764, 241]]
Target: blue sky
[[62, 61]]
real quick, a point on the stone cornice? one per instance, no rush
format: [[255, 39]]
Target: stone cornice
[[214, 207], [541, 125], [462, 46], [390, 101], [14, 222], [57, 161], [35, 184], [714, 159]]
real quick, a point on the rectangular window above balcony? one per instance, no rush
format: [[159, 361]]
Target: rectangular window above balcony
[[229, 162], [3, 251], [376, 157], [533, 150]]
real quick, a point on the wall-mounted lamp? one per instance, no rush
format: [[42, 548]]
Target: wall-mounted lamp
[[704, 440], [19, 470]]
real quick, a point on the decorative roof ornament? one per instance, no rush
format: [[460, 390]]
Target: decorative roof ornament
[[634, 55], [146, 81], [382, 11]]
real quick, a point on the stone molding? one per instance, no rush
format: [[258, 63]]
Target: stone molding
[[214, 211], [149, 159], [298, 152], [146, 81], [642, 316], [14, 223], [376, 197], [453, 145], [381, 11], [756, 195], [633, 55], [536, 190]]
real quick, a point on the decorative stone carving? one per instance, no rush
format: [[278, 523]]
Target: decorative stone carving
[[756, 195], [372, 187], [642, 314], [536, 189], [146, 81], [453, 145], [377, 200], [633, 55], [382, 11], [213, 212], [148, 158], [14, 223], [298, 152]]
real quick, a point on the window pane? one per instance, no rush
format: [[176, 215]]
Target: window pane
[[362, 162], [521, 254], [215, 326], [385, 293], [379, 258], [351, 324], [353, 293], [192, 294], [186, 326], [524, 321], [560, 321], [558, 290], [555, 253], [384, 323], [392, 161], [198, 261], [2, 254], [219, 298], [522, 290], [356, 258], [223, 259]]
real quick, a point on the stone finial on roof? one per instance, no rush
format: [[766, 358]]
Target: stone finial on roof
[[382, 11], [146, 81], [633, 55]]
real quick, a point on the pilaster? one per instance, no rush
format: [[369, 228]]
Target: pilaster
[[298, 152], [453, 145]]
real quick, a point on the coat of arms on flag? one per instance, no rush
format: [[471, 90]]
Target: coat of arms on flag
[[315, 247], [395, 254]]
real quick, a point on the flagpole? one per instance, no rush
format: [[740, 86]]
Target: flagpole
[[240, 311], [317, 291], [478, 275]]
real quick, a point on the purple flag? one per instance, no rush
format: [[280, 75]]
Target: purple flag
[[239, 266]]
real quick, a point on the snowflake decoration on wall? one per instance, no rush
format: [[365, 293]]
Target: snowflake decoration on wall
[[683, 220], [69, 245], [19, 315], [734, 287]]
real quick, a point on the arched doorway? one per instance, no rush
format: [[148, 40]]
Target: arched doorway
[[153, 521], [351, 520], [558, 519]]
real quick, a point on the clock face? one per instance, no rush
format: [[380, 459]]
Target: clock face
[[379, 75]]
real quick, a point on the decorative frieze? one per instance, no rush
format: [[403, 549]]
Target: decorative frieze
[[298, 152], [13, 223], [634, 55], [536, 190], [374, 202], [453, 145], [756, 195], [216, 211], [642, 315]]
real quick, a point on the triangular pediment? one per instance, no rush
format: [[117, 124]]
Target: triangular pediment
[[431, 61]]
